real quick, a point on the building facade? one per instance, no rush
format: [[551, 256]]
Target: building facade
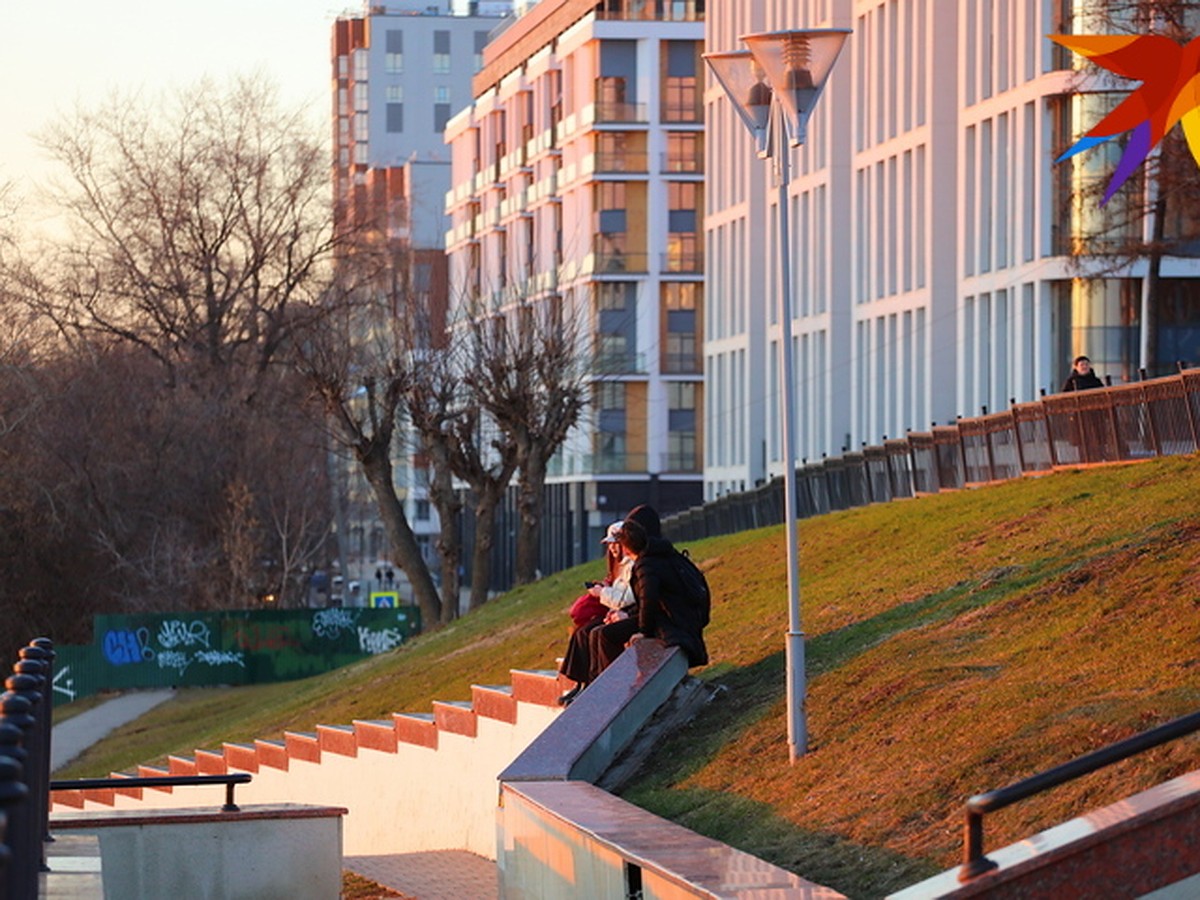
[[400, 70], [578, 179], [942, 262]]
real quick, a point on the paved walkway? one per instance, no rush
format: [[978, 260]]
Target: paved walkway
[[71, 737], [434, 875]]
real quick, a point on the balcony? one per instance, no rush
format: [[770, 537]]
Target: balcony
[[613, 162], [617, 111], [681, 462], [615, 261], [651, 11], [683, 262], [682, 364], [618, 363], [677, 164]]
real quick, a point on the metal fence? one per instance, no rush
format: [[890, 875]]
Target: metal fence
[[1129, 422]]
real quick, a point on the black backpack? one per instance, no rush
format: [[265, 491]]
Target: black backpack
[[695, 585]]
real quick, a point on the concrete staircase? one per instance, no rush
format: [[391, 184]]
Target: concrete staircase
[[446, 759]]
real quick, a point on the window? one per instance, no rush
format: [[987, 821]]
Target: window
[[610, 434], [422, 511], [685, 152], [680, 93], [681, 427], [680, 301], [395, 118], [393, 58], [441, 53], [441, 115], [684, 252], [616, 327], [395, 93], [481, 39]]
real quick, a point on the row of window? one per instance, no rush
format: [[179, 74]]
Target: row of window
[[393, 57]]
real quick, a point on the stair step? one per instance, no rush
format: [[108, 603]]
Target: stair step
[[338, 739], [540, 686], [303, 745], [494, 701], [376, 734], [272, 753], [416, 728], [241, 756], [211, 762], [455, 717]]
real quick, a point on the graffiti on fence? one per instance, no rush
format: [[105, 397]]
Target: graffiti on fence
[[227, 647], [64, 684], [329, 623], [376, 642], [176, 633], [126, 646]]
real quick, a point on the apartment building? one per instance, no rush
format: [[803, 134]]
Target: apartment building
[[401, 69], [942, 261], [578, 179]]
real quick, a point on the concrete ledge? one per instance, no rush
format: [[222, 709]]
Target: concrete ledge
[[582, 742], [571, 839], [1142, 843], [271, 851]]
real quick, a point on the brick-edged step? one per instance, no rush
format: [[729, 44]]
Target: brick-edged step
[[416, 728], [455, 717], [303, 745], [155, 772], [133, 792], [272, 753], [211, 762], [73, 799], [376, 734], [338, 739], [182, 765], [241, 756], [494, 701], [540, 686]]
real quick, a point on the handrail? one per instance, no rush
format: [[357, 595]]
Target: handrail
[[89, 784], [974, 861]]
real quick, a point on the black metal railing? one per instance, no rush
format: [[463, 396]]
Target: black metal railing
[[25, 785], [154, 781], [1126, 423], [975, 863]]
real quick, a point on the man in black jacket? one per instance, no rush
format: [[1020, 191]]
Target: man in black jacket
[[663, 607], [1082, 378]]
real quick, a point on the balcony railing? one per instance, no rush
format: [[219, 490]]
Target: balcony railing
[[612, 161], [682, 364], [613, 261], [616, 363], [683, 262], [674, 163], [652, 10], [618, 111]]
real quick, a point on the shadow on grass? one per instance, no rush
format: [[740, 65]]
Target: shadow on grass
[[826, 859]]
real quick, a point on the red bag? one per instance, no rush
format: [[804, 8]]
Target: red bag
[[585, 609]]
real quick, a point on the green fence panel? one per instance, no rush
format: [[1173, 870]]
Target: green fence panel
[[230, 647]]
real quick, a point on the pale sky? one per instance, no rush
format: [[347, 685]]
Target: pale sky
[[55, 54]]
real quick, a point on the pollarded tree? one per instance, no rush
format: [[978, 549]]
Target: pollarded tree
[[531, 380]]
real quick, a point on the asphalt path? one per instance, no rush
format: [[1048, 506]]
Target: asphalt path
[[68, 739]]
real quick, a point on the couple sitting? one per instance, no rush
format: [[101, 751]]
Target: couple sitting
[[641, 597]]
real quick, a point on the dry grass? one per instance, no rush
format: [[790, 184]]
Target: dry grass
[[956, 643]]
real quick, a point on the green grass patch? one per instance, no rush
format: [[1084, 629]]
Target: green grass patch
[[956, 643]]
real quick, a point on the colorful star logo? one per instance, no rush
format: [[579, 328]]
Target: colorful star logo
[[1169, 93]]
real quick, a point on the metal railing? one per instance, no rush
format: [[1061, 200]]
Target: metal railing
[[1142, 420], [975, 863], [153, 781]]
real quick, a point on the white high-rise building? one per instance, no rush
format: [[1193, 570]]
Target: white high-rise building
[[935, 242]]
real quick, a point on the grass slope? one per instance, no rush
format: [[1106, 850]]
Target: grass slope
[[956, 643]]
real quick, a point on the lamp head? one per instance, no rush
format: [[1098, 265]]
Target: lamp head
[[746, 84], [797, 65]]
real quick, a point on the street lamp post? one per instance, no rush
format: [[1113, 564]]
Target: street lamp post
[[774, 86]]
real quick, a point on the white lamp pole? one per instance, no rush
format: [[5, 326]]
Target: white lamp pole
[[774, 86]]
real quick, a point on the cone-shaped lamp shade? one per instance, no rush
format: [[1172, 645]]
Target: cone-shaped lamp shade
[[797, 64], [745, 82]]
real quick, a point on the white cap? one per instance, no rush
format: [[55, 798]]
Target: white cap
[[613, 530]]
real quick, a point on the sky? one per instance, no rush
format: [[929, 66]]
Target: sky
[[55, 55]]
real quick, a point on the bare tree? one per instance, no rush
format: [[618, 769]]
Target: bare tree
[[199, 226], [531, 380], [359, 362]]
